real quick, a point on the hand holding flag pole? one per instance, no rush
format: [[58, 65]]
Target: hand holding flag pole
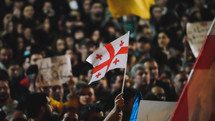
[[111, 56]]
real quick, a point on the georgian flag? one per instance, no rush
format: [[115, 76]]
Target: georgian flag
[[111, 56]]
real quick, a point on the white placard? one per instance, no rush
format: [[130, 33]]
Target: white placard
[[53, 70], [197, 33], [155, 110]]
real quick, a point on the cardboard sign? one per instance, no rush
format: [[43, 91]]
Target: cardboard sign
[[53, 71], [155, 110], [197, 33]]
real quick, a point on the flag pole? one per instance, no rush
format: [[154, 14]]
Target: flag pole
[[123, 83]]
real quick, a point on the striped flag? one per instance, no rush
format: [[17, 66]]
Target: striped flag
[[197, 101], [111, 56]]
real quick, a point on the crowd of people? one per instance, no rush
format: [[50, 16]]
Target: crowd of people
[[159, 57]]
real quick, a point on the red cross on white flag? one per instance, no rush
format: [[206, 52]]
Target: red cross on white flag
[[111, 56]]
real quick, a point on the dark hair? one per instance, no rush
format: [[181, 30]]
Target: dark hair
[[148, 60], [34, 102], [81, 85], [95, 1], [88, 109], [144, 39], [4, 75]]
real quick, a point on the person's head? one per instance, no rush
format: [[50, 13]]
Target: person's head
[[163, 39], [184, 20], [179, 82], [6, 54], [47, 6], [71, 82], [152, 65], [117, 82], [86, 6], [4, 92], [156, 12], [140, 75], [70, 42], [34, 58], [159, 92], [85, 93], [147, 32], [96, 10], [143, 45], [14, 70], [59, 46], [38, 105], [57, 92], [96, 35], [28, 12], [92, 112], [70, 116], [19, 116]]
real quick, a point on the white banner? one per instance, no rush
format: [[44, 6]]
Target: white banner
[[53, 70], [155, 110], [196, 33]]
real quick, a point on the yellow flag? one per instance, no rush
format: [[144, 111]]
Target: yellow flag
[[140, 8]]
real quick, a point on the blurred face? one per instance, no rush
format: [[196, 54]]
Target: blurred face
[[28, 12], [5, 55], [179, 82], [4, 92], [10, 27], [14, 71], [46, 25], [79, 35], [70, 116], [153, 68], [86, 6], [35, 58], [47, 91], [47, 6], [27, 32], [163, 40], [147, 32], [96, 36], [159, 92], [20, 43], [96, 9], [69, 42], [142, 78], [157, 13], [143, 47], [7, 18], [57, 93], [87, 96], [118, 82], [61, 45], [71, 83]]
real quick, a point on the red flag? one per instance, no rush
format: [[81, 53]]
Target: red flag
[[111, 56], [197, 101]]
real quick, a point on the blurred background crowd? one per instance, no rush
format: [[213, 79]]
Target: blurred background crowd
[[159, 57]]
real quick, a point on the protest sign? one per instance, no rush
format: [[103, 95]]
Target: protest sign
[[53, 70], [155, 110], [196, 33]]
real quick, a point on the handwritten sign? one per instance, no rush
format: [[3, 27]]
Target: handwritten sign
[[53, 71], [155, 110], [196, 33]]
